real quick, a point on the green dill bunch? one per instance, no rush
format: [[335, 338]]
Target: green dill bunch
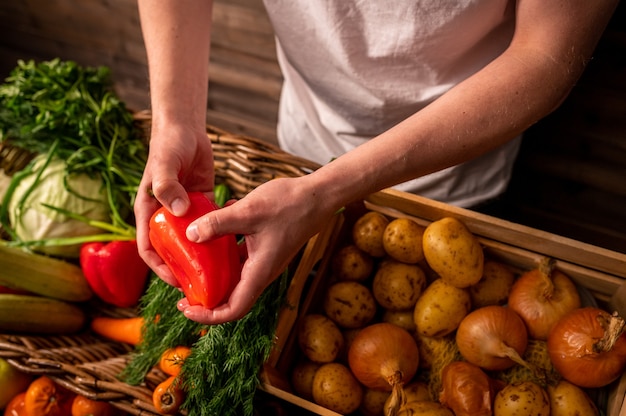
[[541, 370], [71, 112], [44, 101]]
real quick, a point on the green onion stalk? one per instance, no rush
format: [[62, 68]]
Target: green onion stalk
[[65, 111]]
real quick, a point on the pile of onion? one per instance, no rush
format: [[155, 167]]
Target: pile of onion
[[588, 347], [541, 296], [383, 356], [493, 338]]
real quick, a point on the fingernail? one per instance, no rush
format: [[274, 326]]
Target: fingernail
[[178, 207], [192, 233]]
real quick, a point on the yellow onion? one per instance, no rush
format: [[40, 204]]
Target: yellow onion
[[588, 347], [542, 296], [384, 356], [468, 390], [492, 337]]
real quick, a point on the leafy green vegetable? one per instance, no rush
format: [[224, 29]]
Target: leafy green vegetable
[[47, 184], [61, 109], [221, 374]]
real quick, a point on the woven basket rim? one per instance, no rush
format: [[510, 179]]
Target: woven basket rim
[[88, 365], [243, 162]]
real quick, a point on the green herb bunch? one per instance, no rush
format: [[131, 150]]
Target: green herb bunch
[[71, 112], [220, 376]]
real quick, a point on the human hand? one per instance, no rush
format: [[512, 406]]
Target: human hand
[[277, 219], [180, 160]]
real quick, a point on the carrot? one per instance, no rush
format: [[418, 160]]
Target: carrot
[[168, 396], [128, 330]]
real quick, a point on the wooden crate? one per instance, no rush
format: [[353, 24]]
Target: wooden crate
[[601, 272]]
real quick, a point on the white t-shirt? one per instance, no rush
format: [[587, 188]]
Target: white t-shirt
[[354, 68]]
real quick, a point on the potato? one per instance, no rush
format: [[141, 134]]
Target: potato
[[397, 285], [352, 263], [302, 378], [336, 388], [373, 403], [403, 319], [348, 336], [349, 304], [453, 252], [522, 399], [567, 399], [402, 240], [319, 338], [440, 309], [424, 407], [367, 233], [494, 287], [415, 391]]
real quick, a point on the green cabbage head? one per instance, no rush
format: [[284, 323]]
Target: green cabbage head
[[79, 194]]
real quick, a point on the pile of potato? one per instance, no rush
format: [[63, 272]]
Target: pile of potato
[[422, 279]]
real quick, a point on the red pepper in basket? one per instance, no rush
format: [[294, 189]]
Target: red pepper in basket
[[206, 272], [115, 271]]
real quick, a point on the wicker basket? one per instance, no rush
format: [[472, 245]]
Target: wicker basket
[[84, 364], [243, 162], [89, 365]]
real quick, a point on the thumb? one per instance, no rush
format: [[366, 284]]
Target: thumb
[[172, 195], [214, 224]]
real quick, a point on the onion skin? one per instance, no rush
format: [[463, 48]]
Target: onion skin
[[588, 347], [382, 352], [492, 337], [467, 390], [541, 297], [385, 357]]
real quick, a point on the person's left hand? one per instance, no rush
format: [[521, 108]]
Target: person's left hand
[[277, 219]]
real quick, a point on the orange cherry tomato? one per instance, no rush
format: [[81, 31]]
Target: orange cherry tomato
[[16, 406], [173, 358], [44, 397], [168, 396], [83, 406]]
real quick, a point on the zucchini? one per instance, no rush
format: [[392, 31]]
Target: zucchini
[[42, 275], [32, 314]]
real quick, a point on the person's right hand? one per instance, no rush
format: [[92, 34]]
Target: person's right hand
[[180, 160]]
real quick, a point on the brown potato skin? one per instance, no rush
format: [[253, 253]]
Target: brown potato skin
[[440, 309], [397, 286], [402, 240], [335, 388], [352, 263], [319, 338], [349, 304], [424, 407], [567, 399], [522, 399], [302, 378], [494, 287], [367, 233], [453, 252]]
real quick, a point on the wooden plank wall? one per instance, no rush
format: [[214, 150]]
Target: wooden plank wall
[[245, 82], [570, 176]]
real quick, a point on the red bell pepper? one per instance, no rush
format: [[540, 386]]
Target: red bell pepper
[[115, 271], [206, 272]]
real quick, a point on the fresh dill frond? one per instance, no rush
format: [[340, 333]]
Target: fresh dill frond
[[220, 376], [222, 371]]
